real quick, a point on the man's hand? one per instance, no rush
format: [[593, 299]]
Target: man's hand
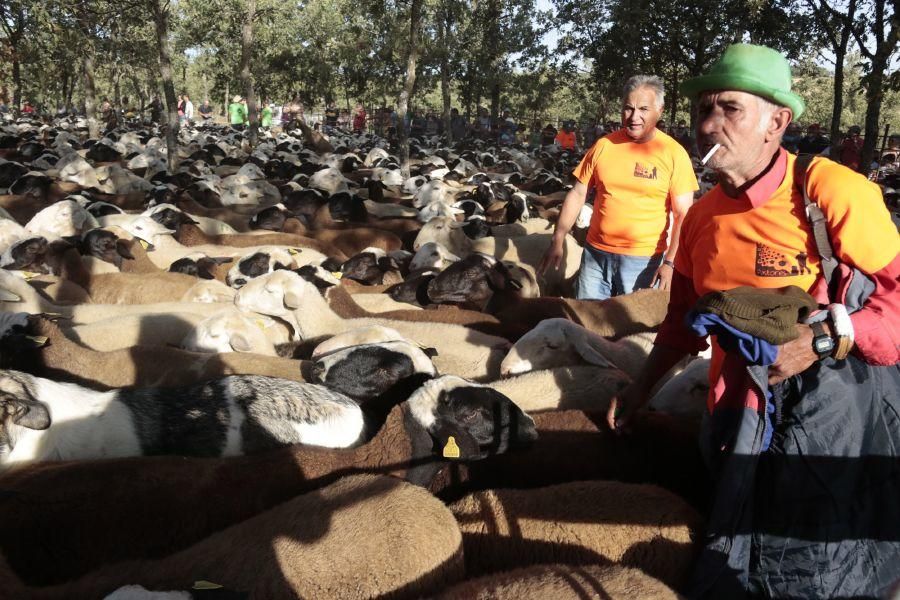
[[623, 407], [553, 256], [793, 357], [663, 277]]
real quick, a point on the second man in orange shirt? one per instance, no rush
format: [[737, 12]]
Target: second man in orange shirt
[[641, 175]]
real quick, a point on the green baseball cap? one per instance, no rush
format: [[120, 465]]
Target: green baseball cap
[[747, 68]]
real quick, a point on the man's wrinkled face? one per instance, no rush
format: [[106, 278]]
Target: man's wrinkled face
[[640, 113], [731, 119]]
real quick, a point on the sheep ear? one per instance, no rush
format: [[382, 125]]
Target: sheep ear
[[387, 263], [591, 353], [240, 343], [291, 300], [123, 249], [28, 413]]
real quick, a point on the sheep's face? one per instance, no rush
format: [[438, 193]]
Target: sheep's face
[[367, 268], [228, 331], [437, 209], [544, 347], [431, 255], [19, 408], [481, 420], [106, 246], [464, 282], [370, 370], [445, 231], [271, 218], [256, 265], [277, 294], [517, 209], [25, 254]]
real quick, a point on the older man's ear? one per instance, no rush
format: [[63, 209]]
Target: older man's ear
[[778, 123]]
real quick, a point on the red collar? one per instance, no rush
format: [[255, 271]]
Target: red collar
[[762, 189]]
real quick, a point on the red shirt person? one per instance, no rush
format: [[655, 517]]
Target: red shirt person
[[851, 148]]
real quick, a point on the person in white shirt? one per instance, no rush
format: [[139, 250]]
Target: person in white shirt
[[188, 109]]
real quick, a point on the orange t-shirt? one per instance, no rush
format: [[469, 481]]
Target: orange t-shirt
[[727, 242], [565, 140], [635, 184]]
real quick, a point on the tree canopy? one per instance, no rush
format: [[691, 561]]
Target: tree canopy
[[540, 59]]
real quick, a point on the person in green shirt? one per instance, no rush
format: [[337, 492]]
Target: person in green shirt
[[265, 116], [237, 113]]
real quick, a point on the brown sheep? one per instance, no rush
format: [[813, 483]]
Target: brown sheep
[[342, 303], [582, 522], [640, 311], [563, 582], [138, 366], [362, 537], [97, 512], [191, 235], [576, 445]]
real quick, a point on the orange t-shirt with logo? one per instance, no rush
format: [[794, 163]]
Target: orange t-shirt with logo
[[635, 184], [728, 242], [565, 140]]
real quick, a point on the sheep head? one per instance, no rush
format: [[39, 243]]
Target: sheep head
[[555, 343], [19, 406], [369, 370], [228, 331], [447, 232], [481, 420]]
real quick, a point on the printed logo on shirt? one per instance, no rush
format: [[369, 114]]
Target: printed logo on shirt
[[644, 171], [770, 263]]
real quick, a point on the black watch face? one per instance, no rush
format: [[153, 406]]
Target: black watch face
[[823, 345]]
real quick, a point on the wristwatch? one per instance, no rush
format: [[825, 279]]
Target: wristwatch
[[822, 343]]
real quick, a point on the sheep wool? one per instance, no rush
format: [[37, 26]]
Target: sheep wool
[[364, 536], [563, 582], [578, 523]]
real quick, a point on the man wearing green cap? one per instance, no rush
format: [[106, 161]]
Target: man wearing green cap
[[802, 436]]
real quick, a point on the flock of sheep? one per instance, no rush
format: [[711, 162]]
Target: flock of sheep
[[291, 371]]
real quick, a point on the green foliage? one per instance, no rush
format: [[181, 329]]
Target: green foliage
[[493, 51]]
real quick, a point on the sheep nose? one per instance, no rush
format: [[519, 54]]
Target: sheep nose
[[317, 372]]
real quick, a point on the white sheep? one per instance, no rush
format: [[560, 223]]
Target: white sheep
[[240, 414], [65, 218], [286, 295]]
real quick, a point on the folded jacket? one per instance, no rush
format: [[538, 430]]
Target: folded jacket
[[768, 314]]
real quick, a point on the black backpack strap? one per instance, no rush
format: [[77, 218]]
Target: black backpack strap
[[816, 219]]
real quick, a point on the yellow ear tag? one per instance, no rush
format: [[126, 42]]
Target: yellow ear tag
[[336, 274], [293, 251], [206, 585], [144, 244], [37, 339], [451, 450], [28, 275]]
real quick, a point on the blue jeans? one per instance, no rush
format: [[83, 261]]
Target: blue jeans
[[604, 274]]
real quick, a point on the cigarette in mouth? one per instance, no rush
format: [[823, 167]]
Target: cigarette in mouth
[[710, 153]]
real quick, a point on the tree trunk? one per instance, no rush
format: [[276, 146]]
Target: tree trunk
[[161, 17], [17, 81], [415, 18], [445, 98], [837, 103], [227, 99], [246, 74], [874, 98], [90, 102]]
